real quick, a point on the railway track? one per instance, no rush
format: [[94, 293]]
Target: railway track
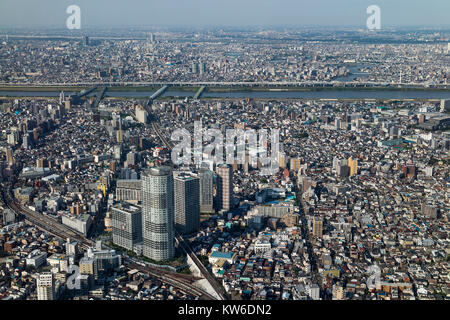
[[180, 281], [49, 225], [187, 249], [176, 281]]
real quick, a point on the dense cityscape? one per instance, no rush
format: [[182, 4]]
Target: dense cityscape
[[93, 207], [247, 57]]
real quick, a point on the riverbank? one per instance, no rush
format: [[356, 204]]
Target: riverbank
[[315, 89], [313, 93], [260, 88], [80, 88]]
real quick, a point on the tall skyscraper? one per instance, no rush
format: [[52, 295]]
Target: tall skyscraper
[[132, 158], [41, 163], [27, 141], [342, 170], [126, 225], [337, 123], [10, 156], [141, 114], [202, 68], [186, 202], [282, 159], [194, 67], [353, 165], [294, 164], [117, 151], [119, 134], [445, 105], [206, 190], [13, 137], [62, 97], [158, 213], [67, 104], [45, 286], [224, 187], [317, 227]]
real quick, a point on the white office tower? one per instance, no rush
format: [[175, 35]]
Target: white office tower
[[45, 286], [71, 247], [141, 114], [224, 187], [126, 225], [186, 202], [337, 123], [117, 151], [206, 191], [61, 97], [445, 105], [158, 213]]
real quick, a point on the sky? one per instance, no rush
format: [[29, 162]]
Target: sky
[[232, 13]]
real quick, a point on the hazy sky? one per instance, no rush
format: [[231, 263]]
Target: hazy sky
[[52, 13]]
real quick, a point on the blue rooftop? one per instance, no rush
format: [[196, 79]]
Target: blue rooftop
[[222, 255]]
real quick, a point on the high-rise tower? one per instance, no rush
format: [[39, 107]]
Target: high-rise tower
[[158, 213], [186, 202], [45, 286], [353, 165], [224, 187], [317, 227], [206, 190]]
